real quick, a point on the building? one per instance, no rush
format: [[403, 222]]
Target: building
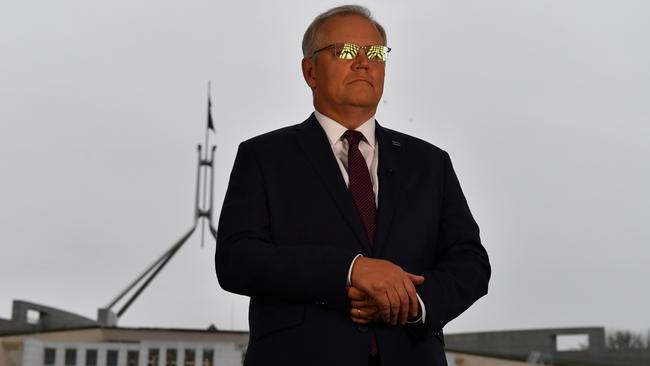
[[38, 335], [558, 346], [43, 336]]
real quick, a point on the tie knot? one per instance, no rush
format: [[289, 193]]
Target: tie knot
[[353, 137]]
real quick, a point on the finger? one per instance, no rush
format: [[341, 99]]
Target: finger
[[416, 279], [372, 313], [404, 303], [360, 321], [413, 299], [360, 304], [395, 303], [383, 304], [356, 294], [364, 316], [363, 305], [356, 313]]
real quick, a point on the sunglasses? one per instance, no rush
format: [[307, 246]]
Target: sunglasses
[[350, 51]]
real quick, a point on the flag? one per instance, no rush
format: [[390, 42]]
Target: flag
[[210, 124]]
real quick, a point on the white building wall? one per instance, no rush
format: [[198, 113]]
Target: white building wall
[[224, 354], [32, 352]]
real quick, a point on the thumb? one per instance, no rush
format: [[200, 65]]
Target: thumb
[[416, 279]]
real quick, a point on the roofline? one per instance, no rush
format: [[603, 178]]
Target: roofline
[[146, 329], [563, 329]]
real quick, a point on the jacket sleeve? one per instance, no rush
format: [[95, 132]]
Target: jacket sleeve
[[249, 262], [461, 270]]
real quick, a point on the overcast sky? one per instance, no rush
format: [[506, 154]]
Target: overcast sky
[[544, 107]]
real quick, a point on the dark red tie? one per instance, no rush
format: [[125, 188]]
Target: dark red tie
[[364, 197], [360, 184]]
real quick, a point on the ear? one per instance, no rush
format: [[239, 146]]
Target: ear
[[308, 72]]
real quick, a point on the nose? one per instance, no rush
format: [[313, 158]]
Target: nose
[[361, 61]]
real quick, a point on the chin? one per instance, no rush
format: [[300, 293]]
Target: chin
[[364, 102]]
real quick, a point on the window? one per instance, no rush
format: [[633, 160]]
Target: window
[[33, 316], [111, 357], [49, 354], [171, 357], [208, 355], [91, 357], [571, 342], [70, 357], [132, 358], [152, 360], [189, 357]]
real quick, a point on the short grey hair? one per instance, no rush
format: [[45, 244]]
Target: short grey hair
[[311, 37]]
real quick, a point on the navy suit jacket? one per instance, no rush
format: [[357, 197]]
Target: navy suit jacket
[[289, 230]]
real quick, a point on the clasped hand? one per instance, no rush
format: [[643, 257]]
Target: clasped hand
[[382, 291]]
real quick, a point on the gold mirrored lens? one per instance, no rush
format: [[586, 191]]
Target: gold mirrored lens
[[347, 51], [376, 53]]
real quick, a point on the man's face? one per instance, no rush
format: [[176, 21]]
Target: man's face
[[340, 86]]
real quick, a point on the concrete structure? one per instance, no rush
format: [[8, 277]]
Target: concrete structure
[[461, 359], [29, 317], [543, 346]]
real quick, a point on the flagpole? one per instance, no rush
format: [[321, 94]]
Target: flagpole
[[203, 211], [204, 167], [207, 128]]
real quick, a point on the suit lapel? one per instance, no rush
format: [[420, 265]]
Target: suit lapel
[[390, 184], [314, 142]]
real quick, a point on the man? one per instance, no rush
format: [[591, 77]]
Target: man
[[354, 242]]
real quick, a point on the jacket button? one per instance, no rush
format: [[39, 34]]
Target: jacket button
[[362, 328]]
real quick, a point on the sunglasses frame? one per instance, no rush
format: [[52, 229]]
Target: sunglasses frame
[[366, 48]]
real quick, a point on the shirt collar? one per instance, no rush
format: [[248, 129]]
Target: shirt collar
[[335, 130]]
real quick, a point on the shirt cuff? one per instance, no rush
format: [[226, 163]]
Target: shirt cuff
[[424, 312], [349, 283]]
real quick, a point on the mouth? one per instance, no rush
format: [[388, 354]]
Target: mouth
[[361, 80]]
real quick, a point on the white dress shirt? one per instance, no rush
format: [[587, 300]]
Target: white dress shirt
[[367, 146], [369, 149]]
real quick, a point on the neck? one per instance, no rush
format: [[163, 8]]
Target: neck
[[350, 118]]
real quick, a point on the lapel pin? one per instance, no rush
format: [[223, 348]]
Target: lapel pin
[[396, 143]]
